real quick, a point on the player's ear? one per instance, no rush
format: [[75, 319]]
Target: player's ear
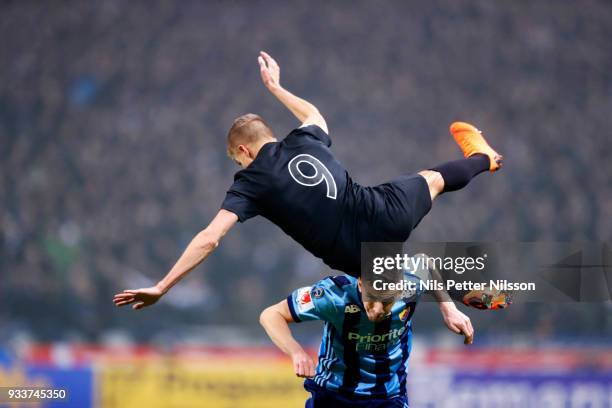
[[359, 284], [246, 151]]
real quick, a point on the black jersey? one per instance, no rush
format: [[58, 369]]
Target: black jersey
[[299, 185]]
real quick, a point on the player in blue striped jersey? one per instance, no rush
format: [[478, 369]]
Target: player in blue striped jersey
[[363, 357]]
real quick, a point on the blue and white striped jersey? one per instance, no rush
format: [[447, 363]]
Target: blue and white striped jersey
[[357, 357]]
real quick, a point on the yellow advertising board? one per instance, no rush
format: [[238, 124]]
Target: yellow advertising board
[[217, 382]]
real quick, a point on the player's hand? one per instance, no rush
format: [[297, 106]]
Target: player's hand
[[303, 365], [269, 69], [138, 298], [457, 321]]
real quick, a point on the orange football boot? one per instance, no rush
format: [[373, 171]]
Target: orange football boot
[[471, 142], [487, 299]]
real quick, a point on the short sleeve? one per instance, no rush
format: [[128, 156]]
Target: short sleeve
[[243, 207], [417, 274], [310, 303], [415, 287], [315, 132], [240, 199]]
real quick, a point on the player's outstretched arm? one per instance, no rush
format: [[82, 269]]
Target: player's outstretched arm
[[454, 319], [306, 112], [202, 245], [275, 320]]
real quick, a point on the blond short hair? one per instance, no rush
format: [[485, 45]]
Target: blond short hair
[[247, 129]]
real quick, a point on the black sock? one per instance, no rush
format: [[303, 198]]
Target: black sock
[[457, 174]]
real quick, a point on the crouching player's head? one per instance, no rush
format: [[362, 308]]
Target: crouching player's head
[[377, 307]]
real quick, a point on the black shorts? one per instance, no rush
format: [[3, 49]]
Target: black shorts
[[399, 206], [322, 398], [385, 213]]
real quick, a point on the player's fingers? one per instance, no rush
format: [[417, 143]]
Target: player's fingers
[[306, 368], [469, 338], [299, 371], [120, 298], [267, 57], [470, 327], [303, 369], [138, 305], [261, 61], [455, 328], [296, 368], [273, 64], [271, 61], [123, 302], [311, 369], [263, 69], [464, 330], [460, 329], [123, 296]]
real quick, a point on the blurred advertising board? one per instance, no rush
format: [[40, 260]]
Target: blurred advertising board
[[103, 377], [77, 382], [512, 378], [482, 389], [214, 383], [184, 377]]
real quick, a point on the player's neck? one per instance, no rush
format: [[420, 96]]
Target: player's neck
[[257, 146]]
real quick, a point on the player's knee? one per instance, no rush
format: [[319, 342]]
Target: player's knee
[[431, 176], [434, 180]]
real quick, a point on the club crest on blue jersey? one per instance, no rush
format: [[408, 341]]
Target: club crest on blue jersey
[[317, 292], [404, 314]]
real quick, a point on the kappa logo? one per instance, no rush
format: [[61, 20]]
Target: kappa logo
[[351, 309]]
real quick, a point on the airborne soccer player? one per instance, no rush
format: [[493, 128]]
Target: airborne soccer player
[[298, 184], [363, 357]]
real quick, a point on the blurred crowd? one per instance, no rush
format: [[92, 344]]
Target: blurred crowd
[[113, 118]]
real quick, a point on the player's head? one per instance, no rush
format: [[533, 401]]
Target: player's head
[[246, 136], [380, 308]]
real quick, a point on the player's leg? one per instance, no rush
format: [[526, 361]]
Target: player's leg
[[454, 175], [407, 199], [435, 182]]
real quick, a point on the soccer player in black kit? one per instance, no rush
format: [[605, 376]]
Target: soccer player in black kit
[[298, 184]]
